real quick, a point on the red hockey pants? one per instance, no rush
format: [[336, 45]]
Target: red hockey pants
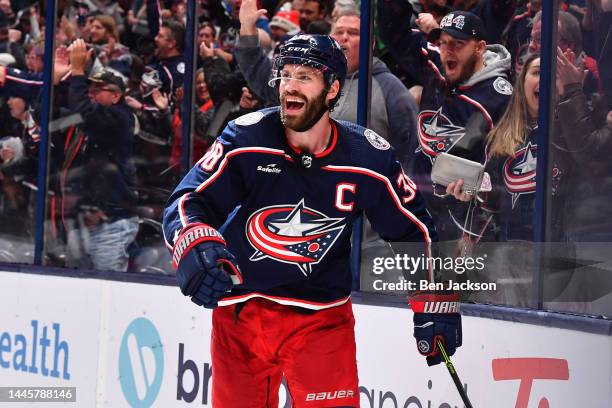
[[314, 350]]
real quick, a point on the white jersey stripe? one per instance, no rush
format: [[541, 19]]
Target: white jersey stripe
[[283, 301]]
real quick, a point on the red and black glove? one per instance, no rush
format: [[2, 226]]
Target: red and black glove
[[436, 316], [205, 269]]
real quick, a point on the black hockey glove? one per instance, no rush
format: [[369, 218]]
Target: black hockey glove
[[205, 269], [436, 316]]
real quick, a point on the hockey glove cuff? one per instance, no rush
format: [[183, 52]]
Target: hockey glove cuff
[[205, 269], [436, 316]]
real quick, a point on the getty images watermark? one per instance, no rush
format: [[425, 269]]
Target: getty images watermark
[[410, 265]]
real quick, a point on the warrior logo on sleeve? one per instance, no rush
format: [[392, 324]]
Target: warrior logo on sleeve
[[437, 134], [292, 233]]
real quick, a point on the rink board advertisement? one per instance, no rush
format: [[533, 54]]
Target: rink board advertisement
[[49, 334], [126, 344]]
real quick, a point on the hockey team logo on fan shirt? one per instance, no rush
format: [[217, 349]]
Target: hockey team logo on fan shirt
[[293, 234], [520, 172], [437, 134], [502, 86]]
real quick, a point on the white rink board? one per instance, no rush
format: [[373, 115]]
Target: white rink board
[[72, 304], [396, 367], [177, 321], [124, 341]]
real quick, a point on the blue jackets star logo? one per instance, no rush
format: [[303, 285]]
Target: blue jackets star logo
[[293, 234], [520, 172], [437, 133]]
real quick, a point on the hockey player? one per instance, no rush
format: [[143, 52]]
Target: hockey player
[[279, 277], [465, 91]]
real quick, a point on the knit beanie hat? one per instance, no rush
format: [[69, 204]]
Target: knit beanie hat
[[286, 20]]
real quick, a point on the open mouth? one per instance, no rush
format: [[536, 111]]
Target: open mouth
[[293, 105], [537, 95], [451, 65]]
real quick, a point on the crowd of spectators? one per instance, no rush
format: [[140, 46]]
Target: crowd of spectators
[[442, 77]]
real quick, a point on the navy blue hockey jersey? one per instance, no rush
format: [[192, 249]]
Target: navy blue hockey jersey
[[514, 186], [171, 72], [291, 232], [14, 82]]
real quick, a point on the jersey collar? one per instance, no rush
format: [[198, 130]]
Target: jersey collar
[[333, 140]]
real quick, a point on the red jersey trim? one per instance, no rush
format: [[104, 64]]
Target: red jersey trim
[[328, 149], [480, 107]]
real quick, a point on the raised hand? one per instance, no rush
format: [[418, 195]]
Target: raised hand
[[247, 101], [61, 65], [79, 55], [567, 71], [206, 51], [426, 22], [249, 14], [160, 99]]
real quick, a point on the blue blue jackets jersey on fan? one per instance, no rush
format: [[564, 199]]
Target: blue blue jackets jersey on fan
[[514, 186], [453, 118], [291, 233], [14, 82], [171, 72]]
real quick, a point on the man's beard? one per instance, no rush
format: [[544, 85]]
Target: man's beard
[[466, 73], [313, 111]]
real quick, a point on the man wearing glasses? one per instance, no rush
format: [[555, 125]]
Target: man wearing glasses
[[278, 276], [98, 170]]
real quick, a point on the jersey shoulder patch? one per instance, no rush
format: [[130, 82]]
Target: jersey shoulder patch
[[249, 119], [376, 140], [502, 86]]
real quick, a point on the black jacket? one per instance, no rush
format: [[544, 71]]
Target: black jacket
[[98, 168]]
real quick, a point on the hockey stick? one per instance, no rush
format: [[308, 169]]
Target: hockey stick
[[453, 374], [235, 279]]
